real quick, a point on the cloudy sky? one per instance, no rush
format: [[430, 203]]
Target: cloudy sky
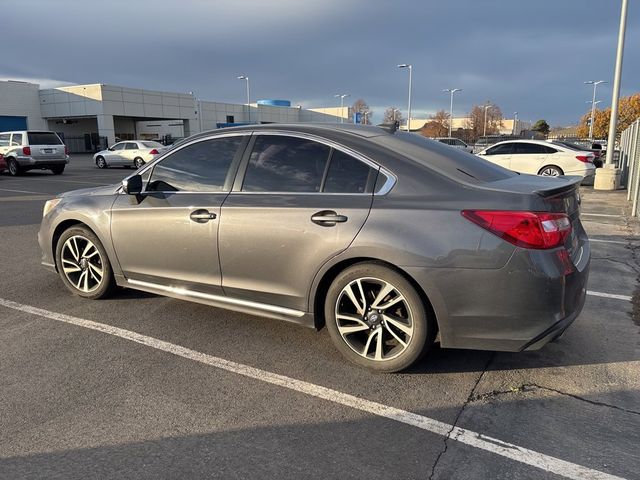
[[526, 56]]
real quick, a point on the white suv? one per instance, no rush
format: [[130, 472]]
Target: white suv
[[29, 150]]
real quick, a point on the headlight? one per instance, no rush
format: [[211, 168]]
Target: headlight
[[50, 205]]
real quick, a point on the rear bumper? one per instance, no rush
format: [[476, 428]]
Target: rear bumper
[[522, 306], [30, 162]]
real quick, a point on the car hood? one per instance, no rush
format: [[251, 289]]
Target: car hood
[[103, 190]]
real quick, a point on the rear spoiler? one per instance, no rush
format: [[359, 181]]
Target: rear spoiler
[[572, 182]]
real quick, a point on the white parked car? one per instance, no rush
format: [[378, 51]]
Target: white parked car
[[130, 153], [539, 157], [455, 143]]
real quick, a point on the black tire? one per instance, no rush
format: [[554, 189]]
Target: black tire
[[553, 171], [138, 162], [107, 284], [13, 167], [417, 317], [101, 162], [58, 169]]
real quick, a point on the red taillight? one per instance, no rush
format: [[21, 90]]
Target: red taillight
[[154, 152], [26, 151], [66, 150], [539, 230], [585, 158]]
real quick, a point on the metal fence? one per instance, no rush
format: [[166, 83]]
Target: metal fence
[[88, 143], [629, 163]]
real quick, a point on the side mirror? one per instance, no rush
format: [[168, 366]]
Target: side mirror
[[132, 185], [110, 149]]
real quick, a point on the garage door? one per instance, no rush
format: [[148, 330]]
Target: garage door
[[8, 123]]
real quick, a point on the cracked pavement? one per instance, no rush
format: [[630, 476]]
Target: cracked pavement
[[78, 404]]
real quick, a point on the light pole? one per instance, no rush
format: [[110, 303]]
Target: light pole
[[366, 114], [342, 97], [394, 114], [451, 91], [484, 131], [244, 77], [595, 84], [515, 121], [410, 67], [613, 123]]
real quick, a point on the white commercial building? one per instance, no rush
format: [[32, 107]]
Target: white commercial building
[[91, 116]]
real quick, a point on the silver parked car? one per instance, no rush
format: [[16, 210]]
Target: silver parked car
[[30, 150], [389, 239], [130, 153], [455, 143]]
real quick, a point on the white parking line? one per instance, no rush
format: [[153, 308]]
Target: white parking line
[[21, 191], [468, 437], [600, 214], [609, 295], [617, 242]]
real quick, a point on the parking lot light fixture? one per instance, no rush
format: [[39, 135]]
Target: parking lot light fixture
[[484, 131], [515, 121], [342, 96], [410, 67], [244, 77], [593, 102], [451, 92]]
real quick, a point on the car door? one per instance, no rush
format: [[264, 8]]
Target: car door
[[130, 152], [527, 157], [169, 235], [114, 154], [296, 203], [499, 154]]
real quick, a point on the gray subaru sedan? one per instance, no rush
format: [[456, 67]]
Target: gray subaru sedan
[[391, 240]]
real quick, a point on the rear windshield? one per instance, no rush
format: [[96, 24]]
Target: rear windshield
[[43, 138], [449, 161], [152, 144]]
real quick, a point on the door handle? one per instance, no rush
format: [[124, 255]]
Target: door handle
[[202, 216], [328, 218]]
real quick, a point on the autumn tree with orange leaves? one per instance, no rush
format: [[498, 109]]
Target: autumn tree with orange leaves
[[628, 112]]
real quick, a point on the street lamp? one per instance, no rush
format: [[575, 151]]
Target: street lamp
[[515, 121], [342, 97], [244, 77], [484, 131], [366, 114], [451, 91], [394, 110], [595, 84], [410, 67]]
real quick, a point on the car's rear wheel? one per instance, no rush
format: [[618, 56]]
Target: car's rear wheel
[[83, 263], [101, 162], [58, 170], [138, 162], [13, 167], [377, 319], [550, 171]]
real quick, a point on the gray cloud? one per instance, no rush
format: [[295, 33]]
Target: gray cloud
[[530, 57]]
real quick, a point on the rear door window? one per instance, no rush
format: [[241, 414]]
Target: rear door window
[[348, 175], [524, 148], [16, 140], [43, 138], [285, 164]]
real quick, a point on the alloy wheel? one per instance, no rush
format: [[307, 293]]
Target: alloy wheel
[[82, 263], [374, 319], [550, 172]]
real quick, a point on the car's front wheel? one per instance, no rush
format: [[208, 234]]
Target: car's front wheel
[[83, 263], [101, 162], [377, 319]]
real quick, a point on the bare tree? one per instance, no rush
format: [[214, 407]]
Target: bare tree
[[361, 107], [475, 123], [437, 126], [393, 114]]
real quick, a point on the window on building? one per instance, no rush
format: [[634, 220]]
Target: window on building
[[231, 119]]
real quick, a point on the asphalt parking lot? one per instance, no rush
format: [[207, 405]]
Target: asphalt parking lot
[[142, 386]]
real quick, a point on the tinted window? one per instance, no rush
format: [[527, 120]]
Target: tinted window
[[285, 164], [452, 162], [131, 146], [4, 140], [43, 138], [16, 140], [199, 167], [523, 148], [346, 174], [504, 149]]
